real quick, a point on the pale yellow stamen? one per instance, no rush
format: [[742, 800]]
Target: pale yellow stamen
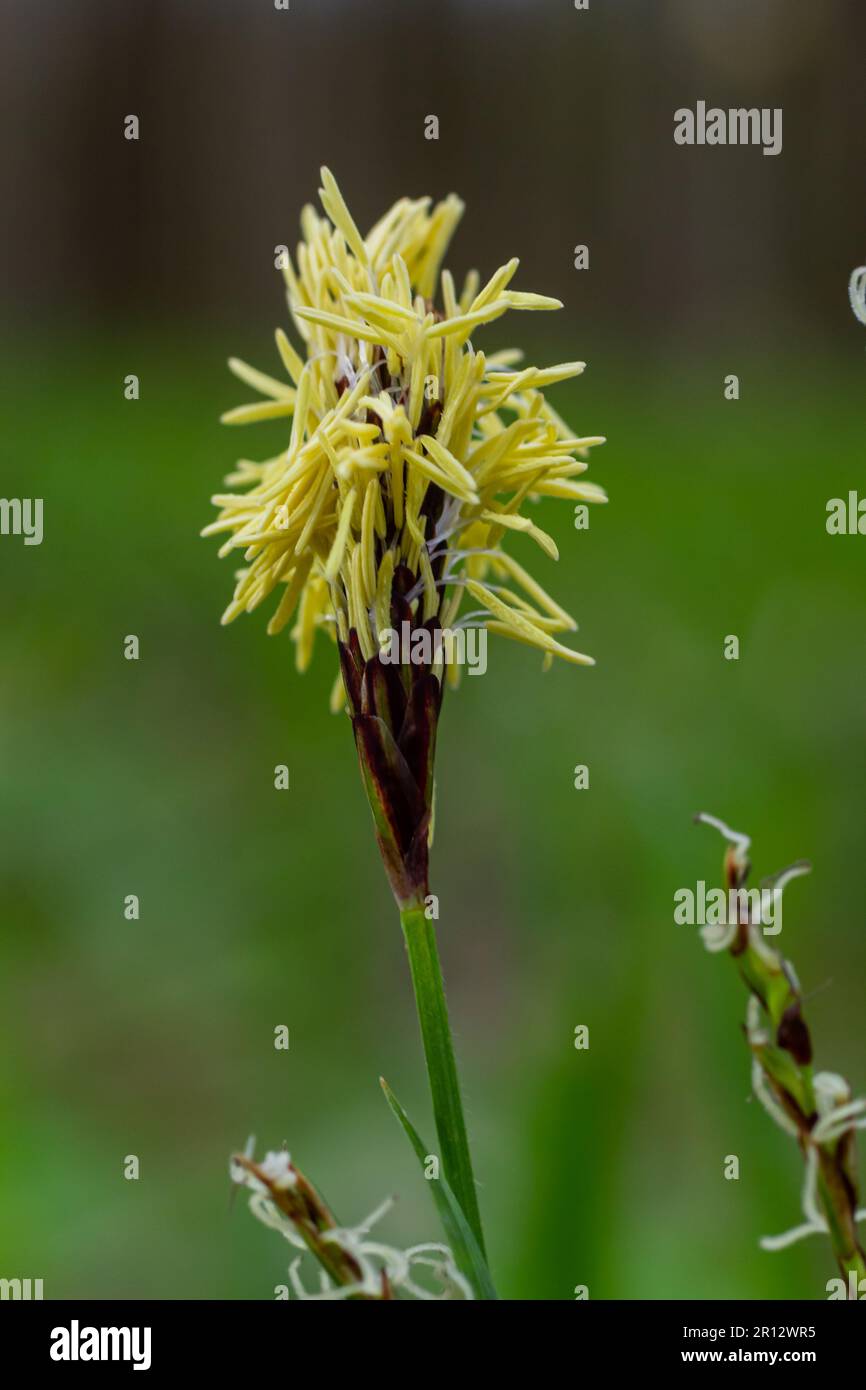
[[405, 442]]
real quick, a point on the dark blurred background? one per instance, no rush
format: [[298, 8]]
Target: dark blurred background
[[155, 257]]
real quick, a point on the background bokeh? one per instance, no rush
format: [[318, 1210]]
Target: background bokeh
[[259, 907]]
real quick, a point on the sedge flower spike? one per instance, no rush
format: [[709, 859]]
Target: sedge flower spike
[[352, 1264], [412, 456], [409, 451], [814, 1107]]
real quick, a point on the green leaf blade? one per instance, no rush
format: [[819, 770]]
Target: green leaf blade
[[465, 1248]]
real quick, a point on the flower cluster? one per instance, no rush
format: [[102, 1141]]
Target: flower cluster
[[411, 454], [815, 1108], [837, 1116], [352, 1264]]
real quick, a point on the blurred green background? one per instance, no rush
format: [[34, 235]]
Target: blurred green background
[[155, 777]]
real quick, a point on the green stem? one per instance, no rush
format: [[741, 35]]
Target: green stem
[[426, 971], [837, 1210]]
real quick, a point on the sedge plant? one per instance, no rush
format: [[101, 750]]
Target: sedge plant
[[413, 458], [816, 1108]]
